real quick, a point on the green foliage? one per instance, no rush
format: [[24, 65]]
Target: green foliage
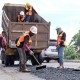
[[76, 38], [70, 52], [78, 56]]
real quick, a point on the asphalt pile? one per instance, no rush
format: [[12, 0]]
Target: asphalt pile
[[51, 73]]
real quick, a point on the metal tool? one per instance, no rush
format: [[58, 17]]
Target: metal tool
[[40, 66]]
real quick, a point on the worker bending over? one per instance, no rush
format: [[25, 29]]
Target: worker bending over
[[23, 43]]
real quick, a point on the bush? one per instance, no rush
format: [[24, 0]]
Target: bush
[[70, 52]]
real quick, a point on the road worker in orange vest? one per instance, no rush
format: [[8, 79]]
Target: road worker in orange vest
[[28, 10], [21, 17], [60, 45], [23, 43]]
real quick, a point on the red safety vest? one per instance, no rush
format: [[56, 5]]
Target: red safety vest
[[3, 41], [59, 39], [21, 39]]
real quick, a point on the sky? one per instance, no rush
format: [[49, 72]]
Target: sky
[[62, 13]]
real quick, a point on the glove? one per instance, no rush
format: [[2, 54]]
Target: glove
[[31, 52]]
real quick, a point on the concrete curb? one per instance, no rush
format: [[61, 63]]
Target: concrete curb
[[72, 61]]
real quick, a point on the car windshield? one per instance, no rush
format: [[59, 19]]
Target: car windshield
[[52, 43]]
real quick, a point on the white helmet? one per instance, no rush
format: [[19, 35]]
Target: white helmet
[[33, 29], [22, 13]]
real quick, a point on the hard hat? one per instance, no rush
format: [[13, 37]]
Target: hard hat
[[33, 29], [57, 28], [22, 13], [27, 4]]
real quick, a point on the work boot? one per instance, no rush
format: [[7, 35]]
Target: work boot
[[23, 68]]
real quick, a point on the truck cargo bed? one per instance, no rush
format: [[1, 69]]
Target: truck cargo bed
[[15, 29]]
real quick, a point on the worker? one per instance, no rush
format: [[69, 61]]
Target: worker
[[60, 45], [21, 17], [3, 40], [23, 43], [28, 10]]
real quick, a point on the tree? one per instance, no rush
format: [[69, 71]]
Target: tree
[[71, 51], [76, 39]]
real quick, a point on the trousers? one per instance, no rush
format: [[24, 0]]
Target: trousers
[[61, 54], [27, 19], [22, 55]]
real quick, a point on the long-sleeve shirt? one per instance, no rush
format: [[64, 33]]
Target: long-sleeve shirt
[[63, 39]]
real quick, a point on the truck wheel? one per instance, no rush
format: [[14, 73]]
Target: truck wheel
[[11, 63], [6, 62], [47, 60], [2, 57], [33, 61], [11, 60], [40, 58], [2, 62]]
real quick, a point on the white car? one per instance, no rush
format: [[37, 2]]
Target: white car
[[51, 52]]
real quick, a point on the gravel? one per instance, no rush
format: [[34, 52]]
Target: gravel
[[51, 73]]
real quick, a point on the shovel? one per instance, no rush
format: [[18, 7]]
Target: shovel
[[40, 66]]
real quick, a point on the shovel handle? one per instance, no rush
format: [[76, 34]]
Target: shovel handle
[[36, 59]]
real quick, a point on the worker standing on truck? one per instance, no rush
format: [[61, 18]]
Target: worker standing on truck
[[28, 10], [60, 45], [21, 17], [23, 43]]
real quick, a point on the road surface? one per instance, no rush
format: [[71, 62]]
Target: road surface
[[12, 73]]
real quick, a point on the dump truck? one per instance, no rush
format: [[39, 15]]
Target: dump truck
[[14, 29]]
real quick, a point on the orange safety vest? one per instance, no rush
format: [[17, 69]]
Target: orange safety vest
[[21, 39], [21, 19], [29, 8], [59, 39]]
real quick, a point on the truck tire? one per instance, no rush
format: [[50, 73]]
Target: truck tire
[[2, 57], [40, 58], [47, 60], [9, 60], [33, 61], [2, 62], [6, 62]]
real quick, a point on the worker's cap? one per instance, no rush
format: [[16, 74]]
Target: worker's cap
[[33, 29], [27, 4], [58, 28], [3, 32], [22, 13]]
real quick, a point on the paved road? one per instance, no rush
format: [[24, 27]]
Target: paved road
[[11, 73], [67, 64]]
